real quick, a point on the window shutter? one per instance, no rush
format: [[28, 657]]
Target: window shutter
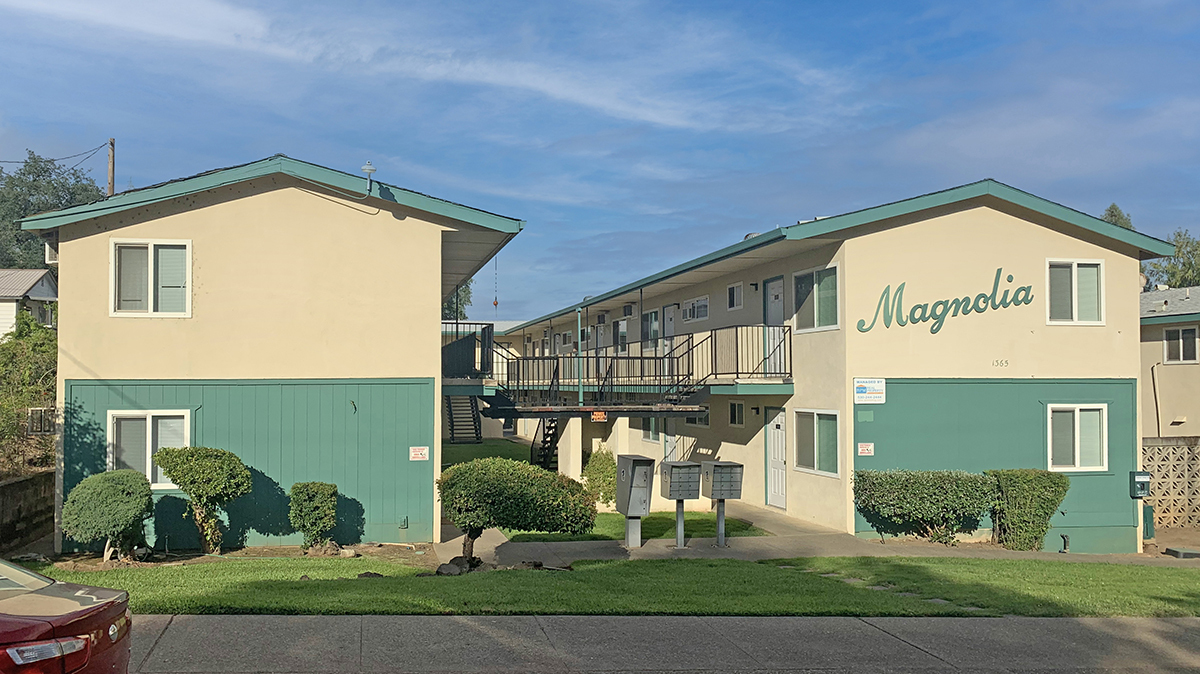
[[1060, 292], [132, 281], [170, 275], [827, 308], [1089, 292]]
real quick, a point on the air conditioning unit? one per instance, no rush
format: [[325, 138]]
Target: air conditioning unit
[[601, 319], [627, 310]]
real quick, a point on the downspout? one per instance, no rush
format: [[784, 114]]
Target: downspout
[[1157, 411]]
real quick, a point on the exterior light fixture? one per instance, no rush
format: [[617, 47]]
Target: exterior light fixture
[[369, 170]]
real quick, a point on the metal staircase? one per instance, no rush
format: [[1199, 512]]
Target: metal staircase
[[545, 452], [462, 415]]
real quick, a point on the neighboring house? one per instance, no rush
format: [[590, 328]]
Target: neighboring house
[[32, 290], [975, 328], [1170, 365], [278, 310]]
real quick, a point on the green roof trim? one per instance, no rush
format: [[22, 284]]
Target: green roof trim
[[338, 180], [1171, 318], [1148, 245]]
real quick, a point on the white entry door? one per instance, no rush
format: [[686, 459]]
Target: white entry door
[[776, 458], [670, 441], [773, 341]]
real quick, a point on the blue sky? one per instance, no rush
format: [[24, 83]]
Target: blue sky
[[629, 135]]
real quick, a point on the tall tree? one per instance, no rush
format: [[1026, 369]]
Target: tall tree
[[456, 306], [1116, 216], [1181, 270], [39, 185]]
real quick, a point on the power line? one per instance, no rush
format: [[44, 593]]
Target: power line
[[87, 152], [90, 155]]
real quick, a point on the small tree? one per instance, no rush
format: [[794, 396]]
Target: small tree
[[109, 507], [494, 492], [210, 478], [313, 511], [1026, 500], [601, 476], [455, 306], [1116, 216], [1181, 270]]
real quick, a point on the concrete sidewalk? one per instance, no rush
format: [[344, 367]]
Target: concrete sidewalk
[[188, 643], [792, 538]]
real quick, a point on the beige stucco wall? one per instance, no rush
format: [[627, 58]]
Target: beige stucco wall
[[1175, 385]]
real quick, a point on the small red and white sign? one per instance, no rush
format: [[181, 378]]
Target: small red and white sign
[[418, 453], [866, 449]]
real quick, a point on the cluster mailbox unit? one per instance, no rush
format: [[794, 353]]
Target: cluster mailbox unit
[[634, 486], [721, 480], [680, 481]]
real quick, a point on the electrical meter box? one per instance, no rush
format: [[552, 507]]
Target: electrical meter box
[[721, 479], [680, 480], [634, 484], [1139, 484]]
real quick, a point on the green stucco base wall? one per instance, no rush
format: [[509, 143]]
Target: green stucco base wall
[[353, 433], [981, 424]]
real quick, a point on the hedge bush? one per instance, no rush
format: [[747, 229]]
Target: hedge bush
[[210, 478], [934, 504], [109, 507], [600, 475], [495, 492], [1026, 499], [313, 511]]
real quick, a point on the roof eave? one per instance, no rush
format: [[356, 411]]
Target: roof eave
[[1193, 317]]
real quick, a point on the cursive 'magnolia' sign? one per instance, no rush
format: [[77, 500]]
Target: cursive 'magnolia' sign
[[892, 306]]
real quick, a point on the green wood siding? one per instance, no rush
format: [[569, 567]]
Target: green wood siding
[[981, 424], [354, 433]]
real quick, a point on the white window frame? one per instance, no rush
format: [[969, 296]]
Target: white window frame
[[838, 441], [150, 279], [1165, 342], [1076, 407], [743, 404], [837, 272], [741, 297], [691, 305], [1075, 291], [148, 415], [706, 415]]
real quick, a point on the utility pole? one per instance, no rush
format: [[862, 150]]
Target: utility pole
[[112, 166]]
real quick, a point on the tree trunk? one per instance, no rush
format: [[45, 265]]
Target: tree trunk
[[108, 550], [469, 545]]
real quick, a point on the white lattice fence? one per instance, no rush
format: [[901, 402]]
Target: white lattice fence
[[1174, 466]]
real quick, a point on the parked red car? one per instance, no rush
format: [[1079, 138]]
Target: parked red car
[[47, 626]]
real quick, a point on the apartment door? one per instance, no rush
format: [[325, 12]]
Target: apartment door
[[776, 457], [670, 440], [773, 315]]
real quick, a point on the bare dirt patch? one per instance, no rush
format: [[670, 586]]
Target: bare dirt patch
[[420, 555]]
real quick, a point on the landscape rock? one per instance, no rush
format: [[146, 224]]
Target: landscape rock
[[449, 570], [30, 557], [305, 577], [370, 574], [347, 552], [464, 563]]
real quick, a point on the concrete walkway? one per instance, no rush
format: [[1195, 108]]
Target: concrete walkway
[[792, 538], [197, 643]]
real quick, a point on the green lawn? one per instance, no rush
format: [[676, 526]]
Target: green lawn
[[682, 587], [611, 527], [505, 449]]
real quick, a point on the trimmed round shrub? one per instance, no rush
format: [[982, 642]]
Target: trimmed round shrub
[[1026, 499], [933, 504], [313, 511], [600, 476], [495, 492], [110, 507], [210, 478]]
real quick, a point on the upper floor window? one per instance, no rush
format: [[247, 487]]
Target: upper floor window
[[734, 296], [816, 299], [695, 310], [1075, 293], [1179, 345], [151, 278], [650, 328]]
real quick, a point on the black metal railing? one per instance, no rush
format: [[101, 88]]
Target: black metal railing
[[664, 369], [468, 349]]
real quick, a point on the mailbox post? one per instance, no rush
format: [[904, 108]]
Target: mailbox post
[[721, 480], [634, 486], [680, 480]]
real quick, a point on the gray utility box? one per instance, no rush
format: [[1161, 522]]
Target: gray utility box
[[680, 480], [721, 479], [634, 484], [1139, 484]]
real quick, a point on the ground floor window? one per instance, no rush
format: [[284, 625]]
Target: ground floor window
[[817, 441], [700, 419], [652, 429], [1078, 437], [737, 413], [134, 437]]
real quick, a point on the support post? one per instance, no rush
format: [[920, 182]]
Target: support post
[[679, 524], [578, 362], [720, 523], [633, 532], [112, 166]]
